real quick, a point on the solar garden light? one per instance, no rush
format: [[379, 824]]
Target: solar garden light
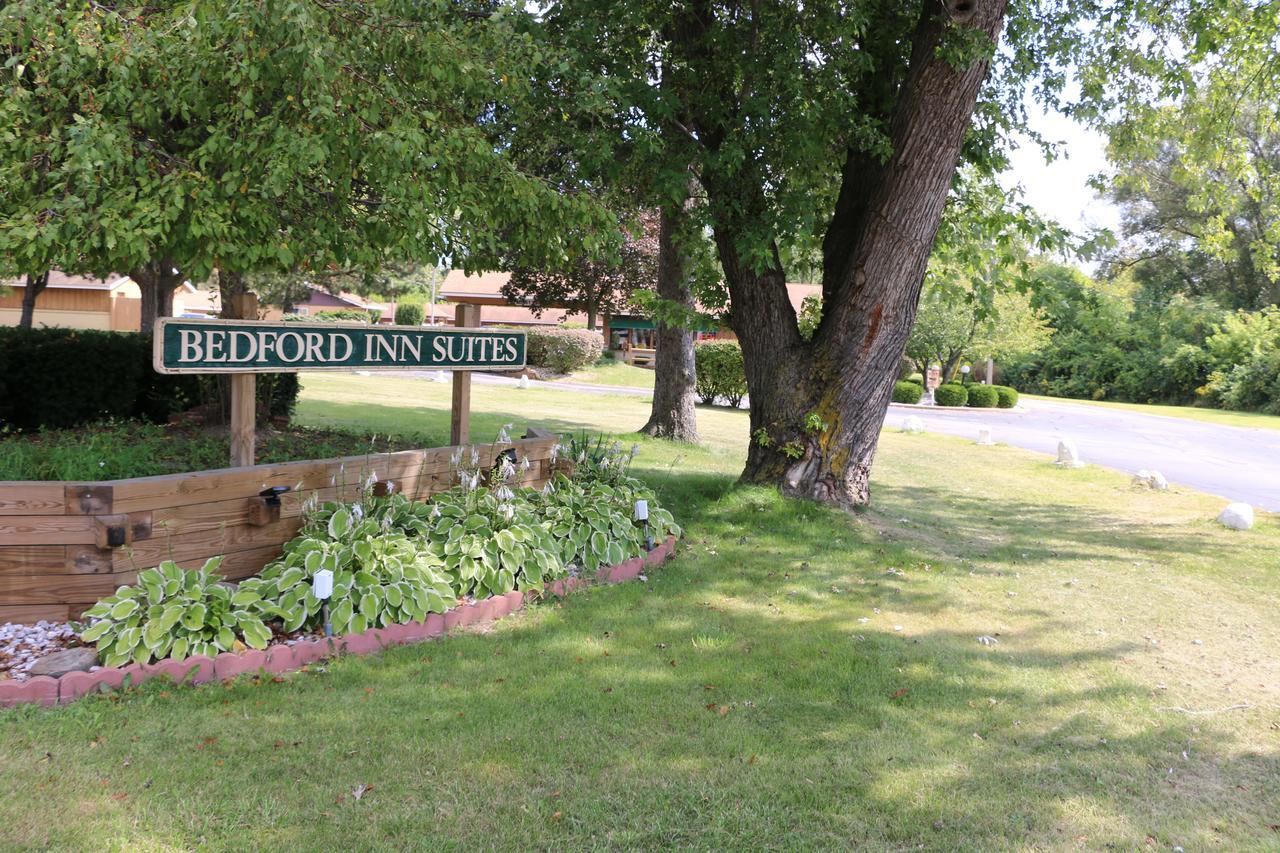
[[642, 516], [965, 378], [322, 588]]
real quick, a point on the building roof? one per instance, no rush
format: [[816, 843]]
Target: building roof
[[508, 315], [475, 289], [60, 280]]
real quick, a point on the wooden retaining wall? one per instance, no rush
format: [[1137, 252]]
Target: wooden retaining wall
[[58, 551]]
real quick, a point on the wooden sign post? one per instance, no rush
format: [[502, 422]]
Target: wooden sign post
[[244, 396], [467, 316], [243, 348]]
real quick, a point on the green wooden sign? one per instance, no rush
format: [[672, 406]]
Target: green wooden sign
[[253, 346]]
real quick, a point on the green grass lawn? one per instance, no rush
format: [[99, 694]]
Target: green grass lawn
[[796, 678], [1222, 417], [612, 372]]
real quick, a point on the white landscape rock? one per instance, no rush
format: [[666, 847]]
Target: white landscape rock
[[440, 376], [1151, 480], [1237, 516], [984, 437], [913, 425], [524, 382], [1068, 454]]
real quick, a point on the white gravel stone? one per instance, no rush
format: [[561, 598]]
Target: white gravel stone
[[1151, 480], [22, 645], [913, 425], [1069, 454], [1237, 516]]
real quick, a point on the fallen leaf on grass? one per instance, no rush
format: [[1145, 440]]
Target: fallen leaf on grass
[[360, 790], [557, 816], [899, 693], [120, 797], [209, 741]]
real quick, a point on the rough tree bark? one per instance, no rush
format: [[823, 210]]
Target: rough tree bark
[[817, 407], [672, 414], [156, 281], [36, 283]]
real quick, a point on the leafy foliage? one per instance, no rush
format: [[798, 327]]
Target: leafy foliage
[[590, 286], [950, 394], [266, 136], [564, 350], [55, 378], [982, 396], [720, 374], [381, 576], [907, 392], [409, 314], [594, 521], [492, 541], [175, 613], [1006, 397]]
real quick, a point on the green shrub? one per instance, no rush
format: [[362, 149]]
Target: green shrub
[[907, 392], [915, 378], [69, 377], [950, 394], [381, 576], [982, 397], [720, 373], [409, 314], [564, 350], [335, 315], [175, 613], [1007, 397]]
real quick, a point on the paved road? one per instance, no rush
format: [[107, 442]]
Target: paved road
[[1235, 462]]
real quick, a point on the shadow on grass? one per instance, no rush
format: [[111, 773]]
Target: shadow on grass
[[973, 526], [734, 700]]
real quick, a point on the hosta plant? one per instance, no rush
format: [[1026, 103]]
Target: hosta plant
[[594, 521], [492, 541], [381, 576], [171, 612]]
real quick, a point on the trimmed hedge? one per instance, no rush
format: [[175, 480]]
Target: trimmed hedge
[[564, 350], [905, 391], [410, 314], [68, 377], [1006, 397], [982, 397], [720, 373], [337, 315], [915, 378], [950, 394]]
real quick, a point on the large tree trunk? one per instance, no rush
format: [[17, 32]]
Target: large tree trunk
[[817, 409], [672, 414], [36, 283], [156, 282]]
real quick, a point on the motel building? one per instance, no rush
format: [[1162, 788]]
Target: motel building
[[628, 337]]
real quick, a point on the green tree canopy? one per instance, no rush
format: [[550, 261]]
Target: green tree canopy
[[267, 135]]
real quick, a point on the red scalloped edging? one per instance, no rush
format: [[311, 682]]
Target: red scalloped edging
[[283, 658]]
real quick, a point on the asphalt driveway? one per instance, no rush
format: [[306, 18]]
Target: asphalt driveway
[[1238, 463]]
